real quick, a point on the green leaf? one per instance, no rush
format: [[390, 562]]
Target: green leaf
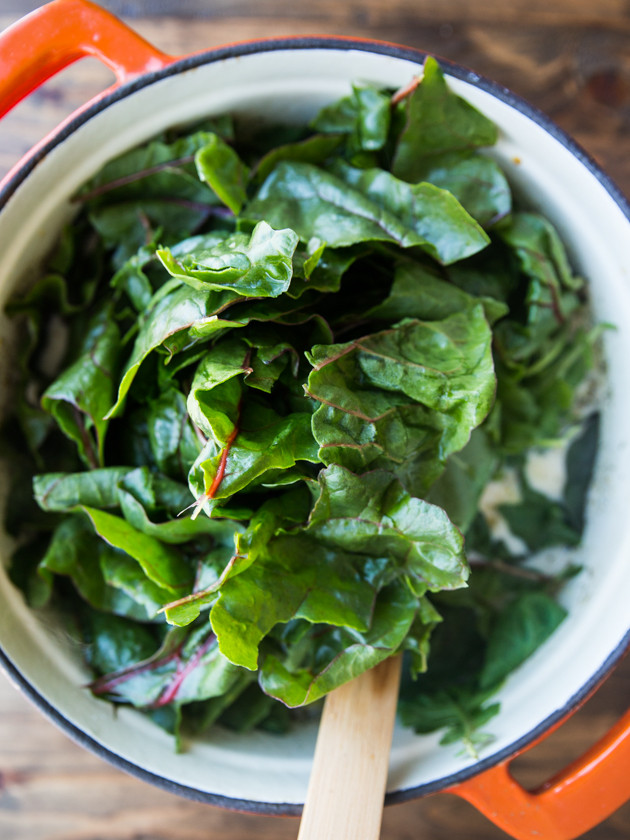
[[364, 116], [437, 121], [248, 545], [342, 655], [121, 572], [174, 443], [361, 206], [133, 279], [76, 552], [467, 473], [215, 410], [79, 398], [177, 320], [172, 531], [314, 149], [183, 611], [265, 442], [63, 492], [406, 397], [433, 217], [372, 515], [536, 408], [294, 577], [418, 292], [187, 668], [256, 266], [251, 709], [222, 169], [543, 259], [154, 169], [580, 463], [116, 642], [539, 521], [246, 438], [149, 188], [477, 182], [518, 632], [461, 712], [159, 562]]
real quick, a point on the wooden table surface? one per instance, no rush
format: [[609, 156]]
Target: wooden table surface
[[571, 58]]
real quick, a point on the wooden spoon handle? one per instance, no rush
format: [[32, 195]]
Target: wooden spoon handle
[[347, 785]]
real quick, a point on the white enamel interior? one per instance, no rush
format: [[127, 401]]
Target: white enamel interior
[[290, 85]]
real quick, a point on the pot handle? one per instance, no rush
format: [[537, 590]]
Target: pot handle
[[44, 42], [564, 807]]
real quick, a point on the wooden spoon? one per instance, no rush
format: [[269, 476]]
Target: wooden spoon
[[347, 784]]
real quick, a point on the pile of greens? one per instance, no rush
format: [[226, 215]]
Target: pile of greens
[[265, 381]]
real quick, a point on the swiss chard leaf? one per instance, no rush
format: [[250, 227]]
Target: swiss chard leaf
[[410, 395], [364, 116], [159, 562], [315, 149], [221, 566], [115, 642], [188, 667], [80, 397], [256, 266], [76, 552], [174, 442], [543, 259], [477, 182], [467, 474], [372, 515], [539, 521], [63, 492], [177, 320], [264, 442], [366, 205], [337, 655], [437, 121], [581, 458], [460, 712], [418, 292], [221, 168], [246, 438], [518, 632], [294, 577], [149, 188]]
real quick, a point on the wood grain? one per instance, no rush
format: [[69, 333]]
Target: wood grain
[[569, 58], [369, 12], [347, 784]]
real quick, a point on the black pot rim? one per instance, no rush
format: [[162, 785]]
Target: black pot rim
[[23, 170]]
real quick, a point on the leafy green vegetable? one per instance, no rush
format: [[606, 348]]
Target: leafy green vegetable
[[354, 206], [364, 116], [268, 384], [187, 668], [438, 121], [405, 398], [259, 266], [220, 167], [159, 563], [149, 189], [80, 397], [531, 619]]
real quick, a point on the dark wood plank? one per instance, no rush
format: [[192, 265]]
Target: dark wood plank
[[372, 13]]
